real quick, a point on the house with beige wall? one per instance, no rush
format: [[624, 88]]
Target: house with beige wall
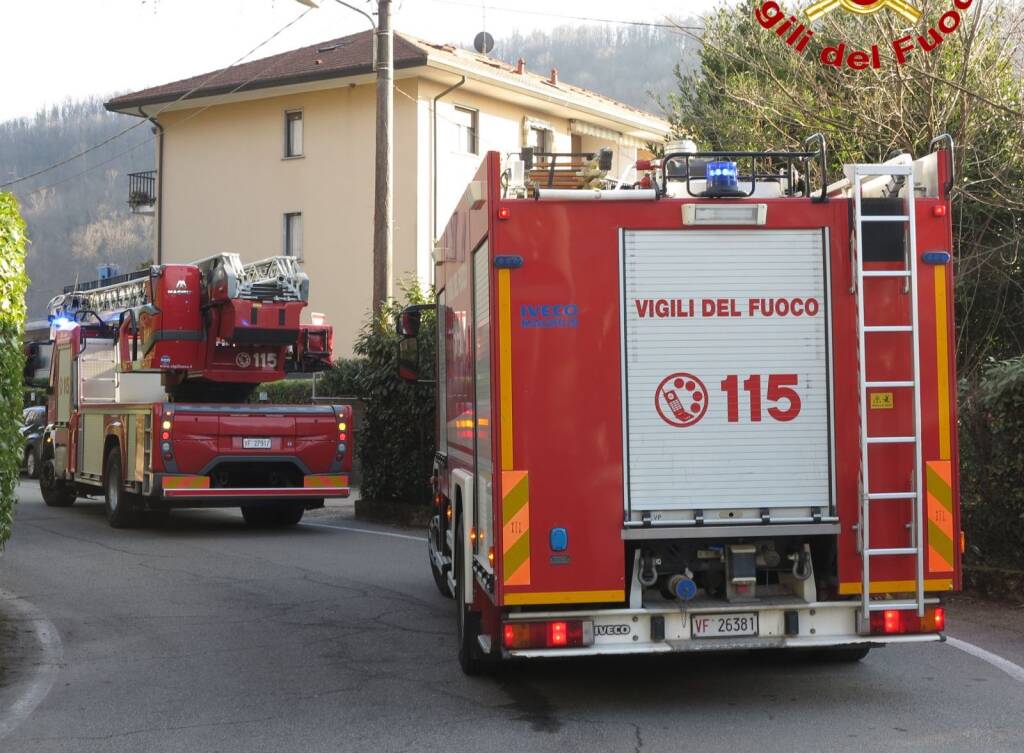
[[276, 156]]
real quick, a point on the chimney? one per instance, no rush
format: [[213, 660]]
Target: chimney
[[520, 66], [554, 77]]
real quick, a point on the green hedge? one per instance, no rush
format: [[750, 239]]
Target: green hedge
[[13, 285], [992, 465], [396, 445], [395, 441]]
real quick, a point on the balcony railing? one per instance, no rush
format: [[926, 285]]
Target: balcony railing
[[142, 191]]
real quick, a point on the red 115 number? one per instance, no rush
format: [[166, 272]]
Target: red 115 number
[[781, 389]]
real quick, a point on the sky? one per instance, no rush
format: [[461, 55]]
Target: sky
[[56, 49]]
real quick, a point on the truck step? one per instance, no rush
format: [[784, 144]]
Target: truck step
[[898, 550], [888, 328], [885, 606]]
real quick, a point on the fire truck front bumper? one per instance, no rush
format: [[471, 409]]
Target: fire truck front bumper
[[807, 626], [180, 490]]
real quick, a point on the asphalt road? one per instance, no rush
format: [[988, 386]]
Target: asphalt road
[[202, 635]]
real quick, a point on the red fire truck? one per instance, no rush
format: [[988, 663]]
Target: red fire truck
[[150, 379], [713, 409]]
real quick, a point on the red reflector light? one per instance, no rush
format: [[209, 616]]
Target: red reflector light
[[546, 634], [165, 435], [939, 211], [504, 213], [342, 436], [168, 456], [557, 634], [903, 621]]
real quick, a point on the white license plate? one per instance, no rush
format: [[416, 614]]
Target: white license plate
[[261, 443], [723, 625]]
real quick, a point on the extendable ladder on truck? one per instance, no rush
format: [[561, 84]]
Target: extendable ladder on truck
[[904, 177]]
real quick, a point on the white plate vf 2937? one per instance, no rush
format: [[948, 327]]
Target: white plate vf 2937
[[256, 443], [737, 624]]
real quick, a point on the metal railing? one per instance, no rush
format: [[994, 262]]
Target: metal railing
[[142, 190]]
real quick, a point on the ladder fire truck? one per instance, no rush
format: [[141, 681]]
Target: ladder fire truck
[[150, 378], [712, 409]]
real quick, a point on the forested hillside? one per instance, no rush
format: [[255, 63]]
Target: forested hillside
[[77, 215], [633, 64]]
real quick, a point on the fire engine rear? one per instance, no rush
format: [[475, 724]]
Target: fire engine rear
[[710, 409], [150, 381]]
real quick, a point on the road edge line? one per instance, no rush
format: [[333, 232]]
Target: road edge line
[[1013, 670], [48, 637], [364, 530]]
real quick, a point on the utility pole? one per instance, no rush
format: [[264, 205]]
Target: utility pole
[[383, 208]]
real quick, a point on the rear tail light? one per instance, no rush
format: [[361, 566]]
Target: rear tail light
[[547, 634], [903, 621]]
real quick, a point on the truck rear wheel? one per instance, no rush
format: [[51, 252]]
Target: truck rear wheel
[[471, 657], [272, 516], [121, 507], [55, 492]]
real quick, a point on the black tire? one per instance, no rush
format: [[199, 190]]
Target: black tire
[[121, 506], [32, 462], [272, 516], [471, 657], [55, 492], [433, 535]]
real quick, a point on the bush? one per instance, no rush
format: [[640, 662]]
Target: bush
[[992, 465], [396, 445], [13, 285]]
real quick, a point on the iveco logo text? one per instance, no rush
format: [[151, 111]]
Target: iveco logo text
[[611, 630], [549, 316]]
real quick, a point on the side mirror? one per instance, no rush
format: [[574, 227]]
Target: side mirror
[[409, 358], [408, 322]]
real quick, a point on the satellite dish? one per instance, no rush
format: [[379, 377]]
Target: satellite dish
[[483, 43]]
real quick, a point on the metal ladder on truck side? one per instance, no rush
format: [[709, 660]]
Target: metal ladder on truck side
[[905, 174]]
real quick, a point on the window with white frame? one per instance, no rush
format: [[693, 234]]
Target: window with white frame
[[467, 120], [541, 139], [293, 234], [293, 133]]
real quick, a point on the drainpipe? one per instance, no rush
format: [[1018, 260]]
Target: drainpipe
[[159, 186], [433, 213]]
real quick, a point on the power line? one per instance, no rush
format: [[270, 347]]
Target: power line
[[119, 134], [167, 128], [548, 14]]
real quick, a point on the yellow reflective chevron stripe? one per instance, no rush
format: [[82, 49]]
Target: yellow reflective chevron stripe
[[515, 531], [566, 597], [939, 485], [897, 586]]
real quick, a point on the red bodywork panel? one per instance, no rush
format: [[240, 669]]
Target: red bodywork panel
[[221, 340], [566, 385]]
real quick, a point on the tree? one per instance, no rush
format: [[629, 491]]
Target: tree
[[752, 91], [13, 284]]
